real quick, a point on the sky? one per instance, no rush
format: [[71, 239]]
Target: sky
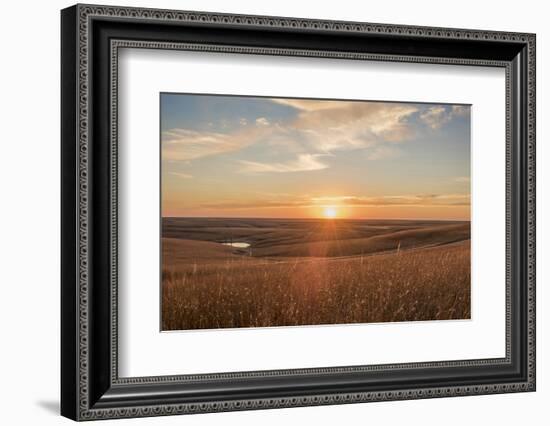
[[235, 156]]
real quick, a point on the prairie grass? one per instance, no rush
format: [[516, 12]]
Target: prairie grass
[[228, 291]]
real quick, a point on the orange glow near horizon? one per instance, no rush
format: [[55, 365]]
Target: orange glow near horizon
[[326, 212], [330, 212]]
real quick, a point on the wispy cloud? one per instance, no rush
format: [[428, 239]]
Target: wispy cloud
[[420, 200], [398, 200], [262, 121], [318, 128], [311, 104], [304, 162], [342, 126], [254, 204], [185, 144], [460, 110], [437, 116], [462, 179], [182, 175]]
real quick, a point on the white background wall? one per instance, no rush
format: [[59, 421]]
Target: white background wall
[[29, 213]]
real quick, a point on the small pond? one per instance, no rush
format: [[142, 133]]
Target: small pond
[[237, 244]]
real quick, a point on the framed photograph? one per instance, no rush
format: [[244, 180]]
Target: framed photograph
[[263, 212]]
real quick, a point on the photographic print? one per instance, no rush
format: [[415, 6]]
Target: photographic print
[[219, 183], [294, 212]]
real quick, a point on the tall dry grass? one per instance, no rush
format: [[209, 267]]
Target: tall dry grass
[[426, 284]]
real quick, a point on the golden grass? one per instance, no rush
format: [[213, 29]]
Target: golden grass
[[227, 290]]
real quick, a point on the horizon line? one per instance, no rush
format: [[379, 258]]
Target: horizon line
[[311, 218]]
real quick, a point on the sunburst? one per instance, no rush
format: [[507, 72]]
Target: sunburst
[[330, 212]]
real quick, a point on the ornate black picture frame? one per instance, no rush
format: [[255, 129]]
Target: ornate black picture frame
[[91, 36]]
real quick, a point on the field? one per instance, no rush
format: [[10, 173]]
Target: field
[[228, 273]]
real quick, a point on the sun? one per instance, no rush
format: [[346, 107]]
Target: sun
[[330, 212]]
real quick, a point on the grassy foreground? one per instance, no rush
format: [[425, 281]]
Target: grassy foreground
[[219, 289]]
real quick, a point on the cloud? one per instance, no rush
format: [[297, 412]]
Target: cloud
[[437, 116], [460, 110], [420, 200], [185, 144], [318, 127], [256, 204], [311, 104], [396, 200], [304, 162], [262, 121], [182, 175], [180, 144], [355, 125], [352, 124], [462, 179]]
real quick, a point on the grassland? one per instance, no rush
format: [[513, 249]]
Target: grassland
[[305, 272]]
